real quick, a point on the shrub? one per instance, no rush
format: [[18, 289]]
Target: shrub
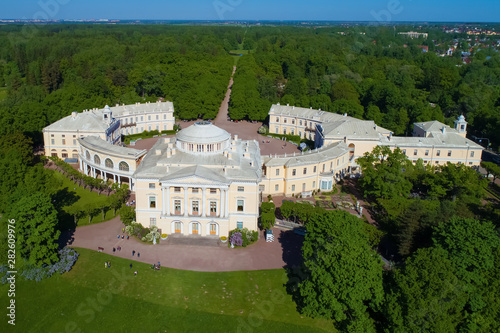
[[245, 236], [151, 233]]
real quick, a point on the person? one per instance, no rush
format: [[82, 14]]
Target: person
[[127, 236], [158, 264], [133, 253], [138, 254], [114, 250], [135, 273], [123, 236], [118, 236], [119, 248], [106, 264], [123, 230], [109, 264], [130, 266]]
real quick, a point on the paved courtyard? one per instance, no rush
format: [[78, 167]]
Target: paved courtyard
[[284, 251]]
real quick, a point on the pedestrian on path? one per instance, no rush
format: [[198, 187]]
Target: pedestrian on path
[[114, 250], [138, 254], [123, 230], [118, 236], [133, 253]]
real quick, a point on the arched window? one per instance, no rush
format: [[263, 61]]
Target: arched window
[[87, 155], [109, 163], [123, 166], [97, 159]]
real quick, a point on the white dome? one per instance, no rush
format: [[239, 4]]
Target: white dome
[[204, 134]]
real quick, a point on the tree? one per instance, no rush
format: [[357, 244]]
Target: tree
[[491, 169], [75, 211], [36, 222], [267, 217], [425, 295], [127, 214], [343, 275]]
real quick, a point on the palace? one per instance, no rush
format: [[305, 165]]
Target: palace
[[204, 181]]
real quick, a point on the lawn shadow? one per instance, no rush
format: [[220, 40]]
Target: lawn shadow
[[67, 237]]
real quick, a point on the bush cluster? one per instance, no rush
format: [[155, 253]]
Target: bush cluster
[[242, 237]]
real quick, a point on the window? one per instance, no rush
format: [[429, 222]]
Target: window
[[303, 187], [470, 163], [284, 120], [314, 185], [157, 117], [471, 154], [213, 191], [63, 136], [293, 121], [293, 188], [142, 118], [87, 155], [241, 189], [152, 221], [63, 141], [97, 159], [152, 202], [277, 172], [123, 166], [52, 141], [74, 142], [213, 208], [52, 135], [438, 153], [300, 122], [426, 153], [239, 224], [177, 207], [177, 189], [305, 171], [240, 206], [415, 151], [449, 152], [277, 130], [151, 185], [284, 130], [323, 167], [294, 172], [404, 151], [149, 117], [64, 155], [195, 190], [277, 119], [437, 162], [196, 207], [314, 169], [109, 163], [276, 187], [149, 128]]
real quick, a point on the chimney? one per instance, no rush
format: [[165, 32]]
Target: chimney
[[169, 152], [74, 114], [158, 151], [390, 136], [236, 137], [174, 151], [443, 130]]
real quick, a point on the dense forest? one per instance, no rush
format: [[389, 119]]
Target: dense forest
[[436, 225], [370, 73], [67, 68]]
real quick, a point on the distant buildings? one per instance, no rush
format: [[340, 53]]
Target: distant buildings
[[413, 34]]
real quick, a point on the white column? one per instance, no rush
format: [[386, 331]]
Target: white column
[[163, 200], [168, 200], [81, 164], [130, 183], [119, 182], [221, 203], [227, 203], [114, 178], [185, 200], [203, 205]]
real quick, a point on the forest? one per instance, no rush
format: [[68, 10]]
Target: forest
[[436, 225]]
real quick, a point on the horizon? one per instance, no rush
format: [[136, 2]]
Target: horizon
[[385, 12]]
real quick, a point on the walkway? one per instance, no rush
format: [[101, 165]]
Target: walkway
[[285, 250]]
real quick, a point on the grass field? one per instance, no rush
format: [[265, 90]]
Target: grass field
[[70, 193], [91, 298]]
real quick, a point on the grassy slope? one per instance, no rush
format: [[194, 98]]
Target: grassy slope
[[71, 192], [98, 299]]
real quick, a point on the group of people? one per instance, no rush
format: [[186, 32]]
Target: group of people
[[107, 264], [119, 248], [138, 254], [156, 267], [123, 236]]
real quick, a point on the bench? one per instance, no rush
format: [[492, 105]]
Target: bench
[[100, 249]]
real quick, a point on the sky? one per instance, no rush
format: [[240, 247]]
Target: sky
[[334, 10]]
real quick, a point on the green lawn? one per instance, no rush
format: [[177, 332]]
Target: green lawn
[[70, 193], [91, 298]]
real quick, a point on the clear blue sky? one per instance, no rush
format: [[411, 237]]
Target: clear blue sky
[[345, 10]]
